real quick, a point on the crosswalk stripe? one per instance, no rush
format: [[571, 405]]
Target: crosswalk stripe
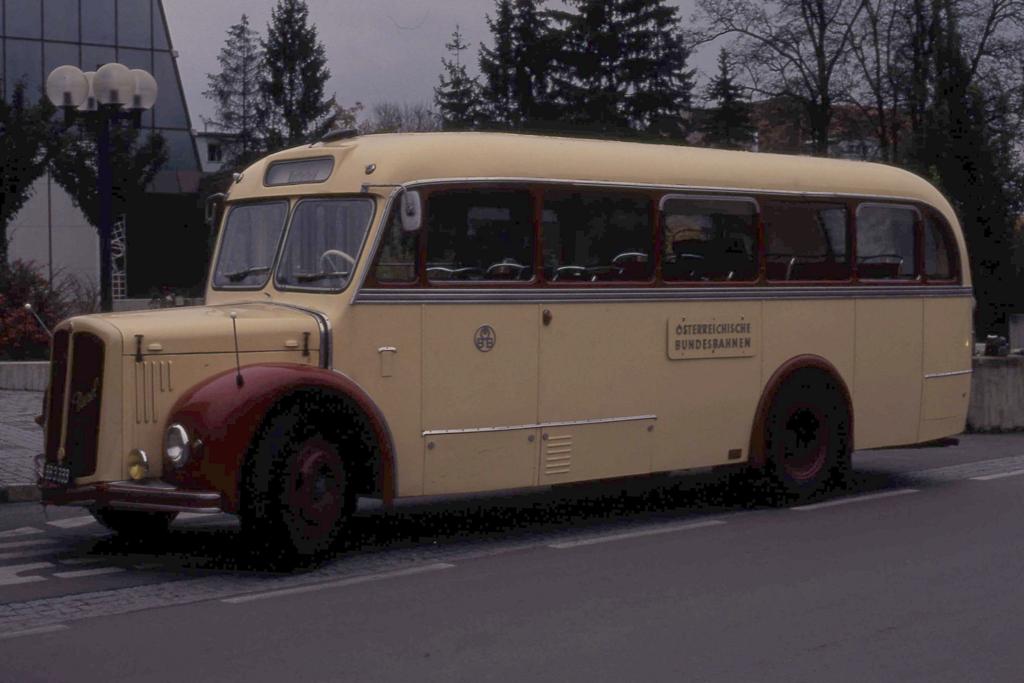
[[8, 545], [81, 573], [72, 522], [22, 554], [9, 576], [20, 531]]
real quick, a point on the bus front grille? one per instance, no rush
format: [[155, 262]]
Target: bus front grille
[[55, 404], [80, 426]]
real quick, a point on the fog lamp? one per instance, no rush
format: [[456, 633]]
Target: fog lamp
[[176, 445], [138, 464]]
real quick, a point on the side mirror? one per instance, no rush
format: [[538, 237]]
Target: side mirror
[[412, 211]]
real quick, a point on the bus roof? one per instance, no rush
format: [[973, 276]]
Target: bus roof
[[413, 157]]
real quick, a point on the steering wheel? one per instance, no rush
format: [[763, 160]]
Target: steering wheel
[[325, 260]]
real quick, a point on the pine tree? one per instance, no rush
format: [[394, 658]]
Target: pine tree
[[235, 91], [24, 132], [296, 74], [728, 124], [457, 97], [515, 70], [497, 66], [622, 65], [658, 84], [587, 76]]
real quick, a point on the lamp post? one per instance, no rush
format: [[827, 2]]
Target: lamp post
[[111, 94]]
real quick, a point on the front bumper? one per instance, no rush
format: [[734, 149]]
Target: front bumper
[[150, 496]]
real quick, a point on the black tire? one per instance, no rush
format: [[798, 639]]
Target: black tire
[[298, 492], [807, 440], [134, 523]]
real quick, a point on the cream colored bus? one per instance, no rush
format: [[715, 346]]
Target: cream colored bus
[[419, 314]]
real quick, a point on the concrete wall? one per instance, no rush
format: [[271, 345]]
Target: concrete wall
[[24, 376], [997, 394], [1017, 331]]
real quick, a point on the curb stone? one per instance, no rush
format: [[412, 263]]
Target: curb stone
[[19, 493]]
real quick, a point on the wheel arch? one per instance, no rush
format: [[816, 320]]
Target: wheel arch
[[228, 419], [771, 389]]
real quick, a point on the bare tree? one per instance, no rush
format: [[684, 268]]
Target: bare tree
[[393, 117], [794, 49], [878, 45]]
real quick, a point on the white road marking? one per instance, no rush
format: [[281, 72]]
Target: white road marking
[[989, 477], [39, 630], [340, 584], [21, 531], [22, 554], [72, 522], [609, 538], [8, 545], [854, 499], [82, 573], [9, 575], [186, 516]]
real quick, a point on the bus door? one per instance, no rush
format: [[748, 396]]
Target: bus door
[[597, 364], [479, 359]]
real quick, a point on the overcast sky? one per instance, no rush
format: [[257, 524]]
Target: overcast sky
[[377, 50]]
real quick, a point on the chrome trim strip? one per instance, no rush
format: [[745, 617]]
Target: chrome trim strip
[[955, 373], [658, 187], [446, 295], [539, 425]]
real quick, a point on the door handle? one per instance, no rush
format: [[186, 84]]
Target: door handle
[[546, 316]]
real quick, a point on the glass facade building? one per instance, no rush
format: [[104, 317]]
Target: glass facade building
[[37, 36], [167, 239]]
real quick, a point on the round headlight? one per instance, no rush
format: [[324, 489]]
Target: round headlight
[[176, 445]]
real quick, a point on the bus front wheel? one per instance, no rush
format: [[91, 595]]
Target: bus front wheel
[[806, 438], [300, 493]]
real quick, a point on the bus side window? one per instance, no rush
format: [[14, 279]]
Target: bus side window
[[805, 241], [396, 256], [479, 235], [594, 236], [709, 239], [938, 262], [885, 242]]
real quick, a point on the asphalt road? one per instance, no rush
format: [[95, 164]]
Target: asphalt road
[[916, 574]]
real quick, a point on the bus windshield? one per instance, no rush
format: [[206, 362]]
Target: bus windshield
[[323, 243], [247, 250]]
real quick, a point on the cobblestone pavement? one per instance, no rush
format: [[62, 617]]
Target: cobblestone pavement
[[20, 438]]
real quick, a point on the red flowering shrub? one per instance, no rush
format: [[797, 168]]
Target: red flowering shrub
[[21, 337]]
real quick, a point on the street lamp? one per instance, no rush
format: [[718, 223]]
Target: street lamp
[[108, 95]]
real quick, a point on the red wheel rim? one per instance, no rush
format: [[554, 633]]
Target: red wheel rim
[[316, 487], [805, 442]]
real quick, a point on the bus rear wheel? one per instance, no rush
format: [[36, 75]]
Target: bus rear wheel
[[806, 438], [300, 493]]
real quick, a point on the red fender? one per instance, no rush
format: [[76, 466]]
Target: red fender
[[225, 417], [776, 381]]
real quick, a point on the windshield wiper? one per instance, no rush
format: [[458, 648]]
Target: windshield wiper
[[240, 275], [314, 277]]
